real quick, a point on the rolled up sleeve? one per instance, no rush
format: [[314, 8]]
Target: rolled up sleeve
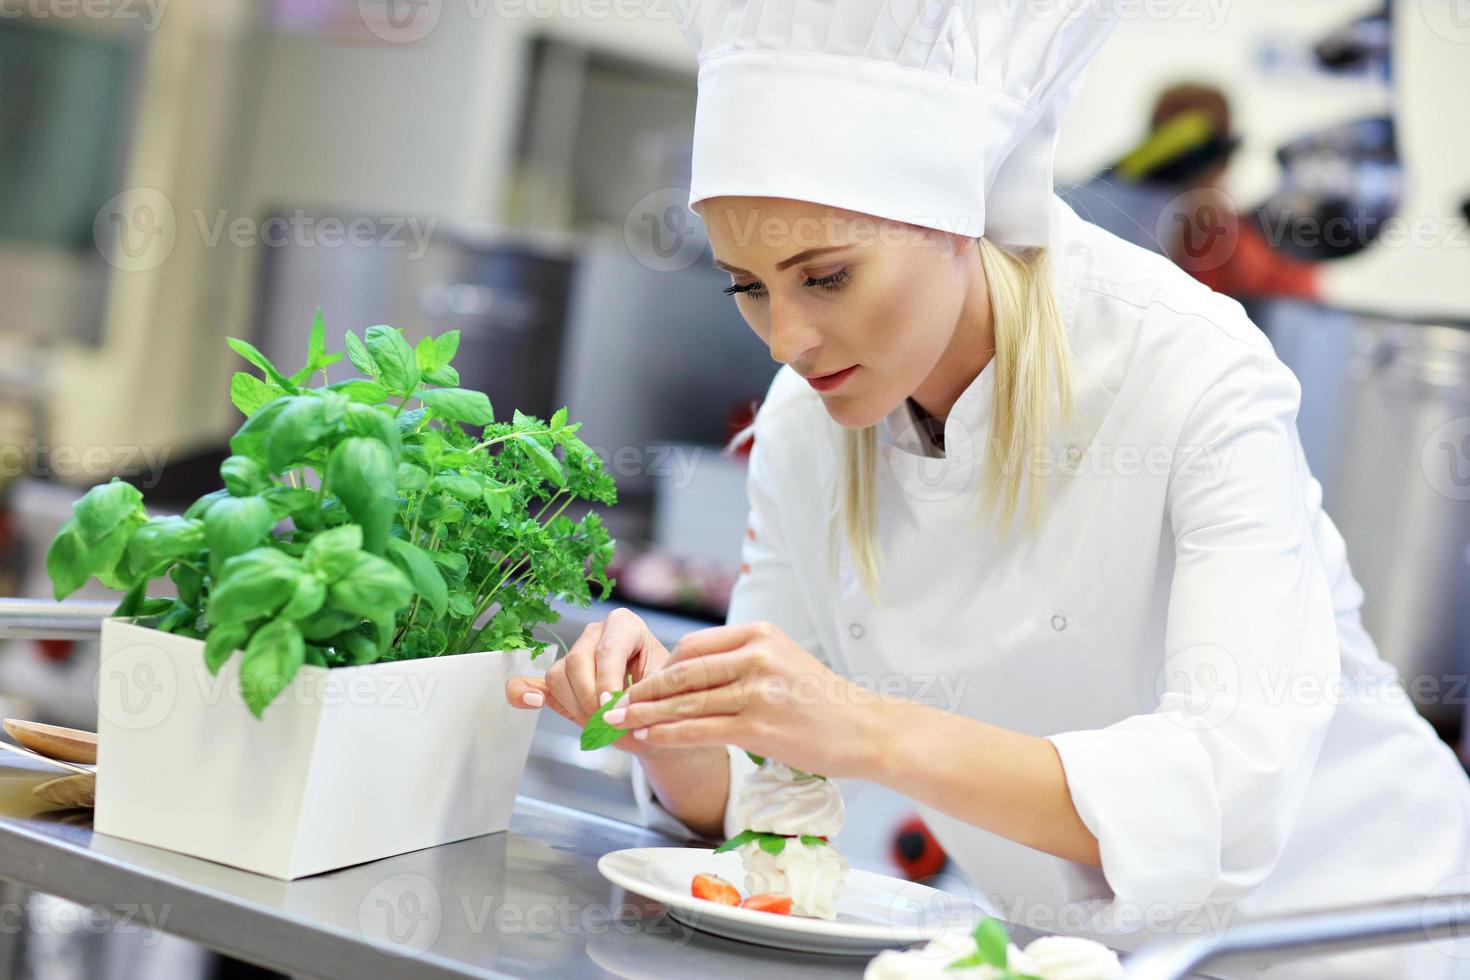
[[1193, 803], [767, 589]]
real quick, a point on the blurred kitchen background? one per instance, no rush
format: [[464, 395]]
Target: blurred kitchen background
[[173, 173]]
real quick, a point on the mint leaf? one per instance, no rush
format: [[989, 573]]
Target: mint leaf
[[739, 840], [770, 843], [597, 733], [991, 938]]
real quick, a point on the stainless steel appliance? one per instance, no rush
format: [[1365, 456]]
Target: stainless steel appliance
[[1385, 422], [505, 292]]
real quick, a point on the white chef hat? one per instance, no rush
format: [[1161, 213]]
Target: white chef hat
[[940, 113]]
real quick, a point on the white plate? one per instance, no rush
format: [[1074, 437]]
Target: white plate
[[874, 911]]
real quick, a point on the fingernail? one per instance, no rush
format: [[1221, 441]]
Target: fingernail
[[641, 733], [615, 716], [533, 699], [604, 697]]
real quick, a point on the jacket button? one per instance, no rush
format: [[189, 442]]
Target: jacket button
[[1059, 623], [856, 629]]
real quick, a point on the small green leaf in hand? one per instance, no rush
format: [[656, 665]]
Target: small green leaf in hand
[[597, 733]]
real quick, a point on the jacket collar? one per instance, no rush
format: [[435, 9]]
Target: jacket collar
[[966, 430]]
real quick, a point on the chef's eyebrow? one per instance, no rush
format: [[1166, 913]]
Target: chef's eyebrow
[[784, 263]]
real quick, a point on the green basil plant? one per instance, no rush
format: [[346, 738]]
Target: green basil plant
[[387, 517]]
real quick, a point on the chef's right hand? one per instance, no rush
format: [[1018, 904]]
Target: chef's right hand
[[597, 665]]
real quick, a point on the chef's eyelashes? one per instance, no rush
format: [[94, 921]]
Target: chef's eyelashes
[[831, 283]]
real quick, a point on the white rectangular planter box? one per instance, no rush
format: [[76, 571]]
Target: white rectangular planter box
[[347, 765]]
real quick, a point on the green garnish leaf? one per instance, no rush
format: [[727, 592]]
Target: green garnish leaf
[[597, 733], [759, 760], [992, 940], [740, 839], [770, 843]]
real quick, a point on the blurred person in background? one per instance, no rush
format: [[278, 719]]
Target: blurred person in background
[[1168, 195]]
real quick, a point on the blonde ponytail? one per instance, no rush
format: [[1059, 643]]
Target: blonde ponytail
[[1030, 351]]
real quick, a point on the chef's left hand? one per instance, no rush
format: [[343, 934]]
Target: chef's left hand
[[751, 686]]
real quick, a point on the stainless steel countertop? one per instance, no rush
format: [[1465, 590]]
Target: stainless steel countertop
[[529, 902], [526, 903]]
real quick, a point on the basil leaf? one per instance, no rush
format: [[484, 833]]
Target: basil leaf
[[772, 843], [272, 657], [327, 623], [397, 368], [446, 345], [235, 525], [361, 473], [459, 405], [426, 355], [104, 508], [66, 561], [249, 439], [333, 553], [421, 571], [250, 394], [357, 647], [372, 588], [201, 506], [128, 607], [248, 351], [243, 476], [310, 594], [299, 426], [364, 420], [455, 565], [360, 357], [221, 642], [360, 391], [597, 733], [163, 539], [411, 477], [457, 486], [189, 581], [252, 585], [545, 462]]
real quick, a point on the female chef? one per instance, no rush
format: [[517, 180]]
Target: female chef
[[1032, 539]]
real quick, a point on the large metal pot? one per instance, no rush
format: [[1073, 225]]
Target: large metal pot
[[1385, 422]]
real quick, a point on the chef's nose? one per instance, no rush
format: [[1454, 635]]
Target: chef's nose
[[791, 337]]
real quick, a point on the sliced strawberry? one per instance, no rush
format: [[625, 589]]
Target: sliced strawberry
[[715, 889], [780, 904]]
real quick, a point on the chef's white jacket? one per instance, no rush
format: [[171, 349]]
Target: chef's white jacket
[[1183, 627]]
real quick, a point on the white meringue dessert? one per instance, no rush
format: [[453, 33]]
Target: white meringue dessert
[[1047, 957], [792, 815]]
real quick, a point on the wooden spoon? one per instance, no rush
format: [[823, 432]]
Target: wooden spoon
[[54, 742], [69, 791]]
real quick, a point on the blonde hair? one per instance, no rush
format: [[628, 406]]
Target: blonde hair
[[1030, 350]]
